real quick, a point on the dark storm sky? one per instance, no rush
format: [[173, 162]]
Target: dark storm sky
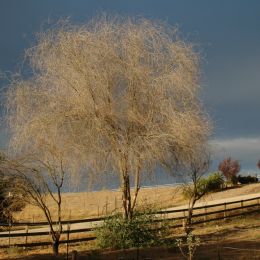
[[228, 35]]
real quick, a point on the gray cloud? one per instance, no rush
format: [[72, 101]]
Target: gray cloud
[[246, 150]]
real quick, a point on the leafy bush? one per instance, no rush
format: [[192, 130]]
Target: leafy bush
[[141, 231], [247, 179], [214, 182]]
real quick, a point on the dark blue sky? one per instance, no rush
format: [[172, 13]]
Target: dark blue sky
[[227, 33]]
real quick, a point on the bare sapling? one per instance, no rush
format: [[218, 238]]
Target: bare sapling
[[197, 188]]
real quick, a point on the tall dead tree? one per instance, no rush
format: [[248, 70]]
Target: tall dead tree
[[119, 95]]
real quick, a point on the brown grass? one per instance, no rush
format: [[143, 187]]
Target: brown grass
[[86, 204]]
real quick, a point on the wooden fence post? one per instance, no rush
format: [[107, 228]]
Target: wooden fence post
[[183, 221], [74, 255], [68, 239], [9, 232], [106, 204], [26, 236], [225, 213], [205, 216], [115, 204]]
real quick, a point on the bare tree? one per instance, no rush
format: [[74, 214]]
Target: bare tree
[[119, 95], [36, 179], [198, 188]]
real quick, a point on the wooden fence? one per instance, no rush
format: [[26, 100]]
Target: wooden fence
[[204, 214]]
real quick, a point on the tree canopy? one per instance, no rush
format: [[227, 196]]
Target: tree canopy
[[117, 95], [229, 167]]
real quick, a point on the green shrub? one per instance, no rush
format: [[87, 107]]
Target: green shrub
[[214, 181], [247, 179], [141, 231]]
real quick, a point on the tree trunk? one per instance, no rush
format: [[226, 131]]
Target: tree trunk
[[55, 242], [137, 185], [188, 225], [127, 197], [55, 247], [127, 201]]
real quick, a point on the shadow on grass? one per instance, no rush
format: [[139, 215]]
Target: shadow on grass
[[241, 250]]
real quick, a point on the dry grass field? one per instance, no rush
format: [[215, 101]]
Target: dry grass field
[[86, 204]]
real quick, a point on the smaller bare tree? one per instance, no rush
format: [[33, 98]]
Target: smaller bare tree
[[37, 179], [198, 187]]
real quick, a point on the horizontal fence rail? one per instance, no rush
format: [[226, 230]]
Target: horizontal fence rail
[[207, 206], [164, 213], [45, 233], [45, 223]]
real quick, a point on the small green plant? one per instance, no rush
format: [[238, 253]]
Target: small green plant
[[141, 231], [188, 247]]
